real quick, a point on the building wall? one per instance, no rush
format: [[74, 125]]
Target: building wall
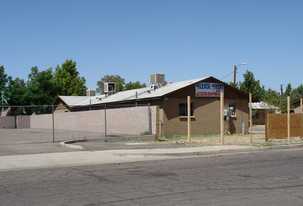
[[206, 119], [259, 117], [61, 108], [297, 107]]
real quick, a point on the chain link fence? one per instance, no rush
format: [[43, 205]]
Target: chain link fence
[[60, 122]]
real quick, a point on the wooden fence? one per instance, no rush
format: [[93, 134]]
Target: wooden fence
[[276, 126]]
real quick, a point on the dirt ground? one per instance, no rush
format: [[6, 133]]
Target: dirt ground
[[258, 139]]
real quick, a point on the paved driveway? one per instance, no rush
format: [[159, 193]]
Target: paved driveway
[[258, 129], [28, 141], [37, 141]]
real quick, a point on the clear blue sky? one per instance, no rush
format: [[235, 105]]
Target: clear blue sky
[[185, 39]]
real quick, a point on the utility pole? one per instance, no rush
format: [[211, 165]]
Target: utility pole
[[235, 72], [281, 90]]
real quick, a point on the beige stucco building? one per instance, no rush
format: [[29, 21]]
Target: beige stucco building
[[298, 107], [171, 105]]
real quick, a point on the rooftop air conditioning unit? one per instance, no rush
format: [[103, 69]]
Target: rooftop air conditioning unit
[[157, 79], [90, 92], [109, 87]]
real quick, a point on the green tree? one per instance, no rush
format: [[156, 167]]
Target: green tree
[[288, 90], [251, 85], [134, 85], [42, 88], [232, 84], [120, 82], [3, 82], [20, 82], [15, 95], [272, 98], [297, 93], [33, 75], [283, 98], [67, 77]]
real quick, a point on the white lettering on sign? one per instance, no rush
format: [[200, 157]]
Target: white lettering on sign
[[209, 89]]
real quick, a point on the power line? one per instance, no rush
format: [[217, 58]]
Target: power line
[[226, 75]]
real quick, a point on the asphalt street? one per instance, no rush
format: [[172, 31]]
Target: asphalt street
[[256, 178]]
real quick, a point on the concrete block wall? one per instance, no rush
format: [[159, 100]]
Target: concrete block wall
[[23, 122], [7, 122], [90, 121], [43, 121], [130, 120]]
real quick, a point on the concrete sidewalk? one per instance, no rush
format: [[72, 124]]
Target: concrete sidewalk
[[80, 158]]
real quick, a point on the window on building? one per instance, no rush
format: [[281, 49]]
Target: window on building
[[183, 109], [255, 114], [232, 108]]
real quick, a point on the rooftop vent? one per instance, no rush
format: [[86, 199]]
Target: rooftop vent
[[157, 80], [109, 87], [90, 92]]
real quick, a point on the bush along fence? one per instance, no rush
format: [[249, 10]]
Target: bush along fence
[[95, 121]]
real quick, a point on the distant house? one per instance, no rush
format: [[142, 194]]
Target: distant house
[[259, 110], [171, 103], [297, 104], [65, 103]]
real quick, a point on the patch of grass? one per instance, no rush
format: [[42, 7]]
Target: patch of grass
[[267, 144], [205, 136], [174, 137], [145, 133], [180, 137]]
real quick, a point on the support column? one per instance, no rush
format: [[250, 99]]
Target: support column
[[288, 118], [188, 120], [250, 117], [222, 117]]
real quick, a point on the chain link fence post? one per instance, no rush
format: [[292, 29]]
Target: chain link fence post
[[53, 122], [105, 131]]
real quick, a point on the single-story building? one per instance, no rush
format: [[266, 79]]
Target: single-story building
[[297, 104], [259, 110], [171, 102]]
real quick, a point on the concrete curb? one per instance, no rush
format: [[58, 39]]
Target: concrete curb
[[70, 144], [282, 147], [214, 152], [197, 152]]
